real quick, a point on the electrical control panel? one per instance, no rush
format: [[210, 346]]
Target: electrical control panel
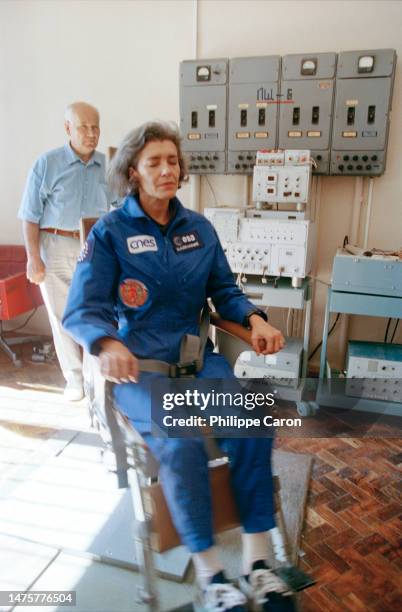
[[264, 246], [282, 176], [281, 184], [335, 105], [307, 91], [283, 367], [253, 109], [374, 370], [203, 101], [364, 85]]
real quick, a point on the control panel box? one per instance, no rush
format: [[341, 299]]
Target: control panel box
[[374, 370], [376, 275], [283, 367], [252, 110], [265, 246], [281, 184], [306, 105], [364, 86], [203, 102]]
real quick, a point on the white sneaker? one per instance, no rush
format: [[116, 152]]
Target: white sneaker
[[266, 591], [220, 596], [73, 393]]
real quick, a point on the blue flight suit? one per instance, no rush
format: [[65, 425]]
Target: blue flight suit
[[155, 283]]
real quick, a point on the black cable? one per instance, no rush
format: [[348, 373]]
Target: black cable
[[23, 325], [329, 333], [394, 332], [386, 331]]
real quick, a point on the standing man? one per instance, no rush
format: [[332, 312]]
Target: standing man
[[63, 185]]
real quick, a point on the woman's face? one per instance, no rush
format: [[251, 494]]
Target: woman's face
[[158, 170]]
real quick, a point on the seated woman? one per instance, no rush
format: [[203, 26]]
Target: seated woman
[[134, 268]]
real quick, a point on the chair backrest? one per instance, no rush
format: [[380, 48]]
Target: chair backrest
[[86, 224]]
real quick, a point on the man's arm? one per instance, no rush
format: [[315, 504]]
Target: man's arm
[[35, 267]]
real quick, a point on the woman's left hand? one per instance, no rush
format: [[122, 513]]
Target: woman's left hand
[[265, 338]]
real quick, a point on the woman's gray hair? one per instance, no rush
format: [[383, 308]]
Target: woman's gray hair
[[130, 148]]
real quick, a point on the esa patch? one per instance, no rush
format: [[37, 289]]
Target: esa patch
[[142, 243], [133, 293], [187, 242], [86, 251]]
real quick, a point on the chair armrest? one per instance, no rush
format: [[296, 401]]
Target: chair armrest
[[230, 327]]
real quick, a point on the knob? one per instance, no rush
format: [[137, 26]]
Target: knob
[[359, 167], [215, 157], [350, 167], [341, 167], [346, 158], [355, 158], [368, 167], [365, 158], [319, 157], [374, 157]]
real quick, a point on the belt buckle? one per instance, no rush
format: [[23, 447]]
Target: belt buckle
[[186, 369]]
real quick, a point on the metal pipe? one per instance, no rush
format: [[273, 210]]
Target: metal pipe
[[368, 213], [195, 180], [343, 335]]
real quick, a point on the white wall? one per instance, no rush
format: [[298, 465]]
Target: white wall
[[124, 56]]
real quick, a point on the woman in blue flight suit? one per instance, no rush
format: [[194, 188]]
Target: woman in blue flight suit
[[151, 264]]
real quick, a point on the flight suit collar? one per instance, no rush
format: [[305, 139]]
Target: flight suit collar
[[134, 209]]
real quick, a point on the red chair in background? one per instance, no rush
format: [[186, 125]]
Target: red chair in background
[[17, 294]]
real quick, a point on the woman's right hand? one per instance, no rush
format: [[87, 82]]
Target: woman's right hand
[[117, 363]]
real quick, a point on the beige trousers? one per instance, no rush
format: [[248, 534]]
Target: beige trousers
[[59, 255]]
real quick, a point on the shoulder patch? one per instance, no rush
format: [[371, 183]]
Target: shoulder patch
[[86, 251]]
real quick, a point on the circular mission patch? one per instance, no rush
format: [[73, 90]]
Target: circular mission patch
[[133, 293]]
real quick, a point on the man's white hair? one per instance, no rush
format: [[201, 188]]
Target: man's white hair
[[73, 109]]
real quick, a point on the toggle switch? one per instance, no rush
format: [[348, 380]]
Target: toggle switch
[[371, 114], [351, 115], [315, 115]]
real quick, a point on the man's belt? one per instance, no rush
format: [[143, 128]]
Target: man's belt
[[60, 232]]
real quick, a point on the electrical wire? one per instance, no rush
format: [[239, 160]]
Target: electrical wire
[[329, 333], [394, 332], [386, 331], [212, 189], [24, 324], [319, 280]]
